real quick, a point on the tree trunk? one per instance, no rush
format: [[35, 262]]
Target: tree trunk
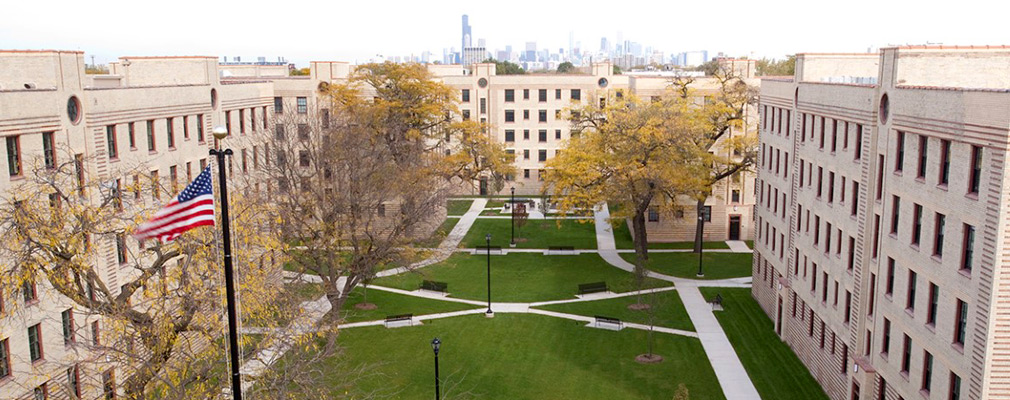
[[698, 228], [133, 387], [336, 303], [641, 249]]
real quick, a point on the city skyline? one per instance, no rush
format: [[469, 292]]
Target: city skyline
[[350, 35]]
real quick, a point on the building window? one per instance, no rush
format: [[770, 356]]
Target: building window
[[927, 371], [466, 95], [542, 135], [526, 154], [895, 212], [483, 107], [199, 126], [934, 298], [859, 141], [74, 381], [542, 155], [967, 248], [227, 123], [923, 152], [557, 134], [96, 333], [510, 135], [29, 291], [41, 392], [910, 301], [35, 342], [303, 105], [706, 213], [110, 141], [526, 134], [68, 326], [278, 105], [526, 115], [976, 170], [542, 116], [49, 149], [155, 186], [899, 158], [5, 359], [510, 95], [542, 95], [889, 284], [150, 136], [576, 94], [79, 172], [944, 162], [279, 132], [109, 384], [303, 131], [885, 345], [955, 387], [906, 355], [653, 214], [303, 158], [526, 173], [526, 94], [169, 123], [14, 155], [510, 116], [960, 322], [916, 224], [121, 248], [557, 94]]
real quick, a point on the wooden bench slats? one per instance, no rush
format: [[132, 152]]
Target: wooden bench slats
[[594, 287]]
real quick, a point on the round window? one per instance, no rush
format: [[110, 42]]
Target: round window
[[213, 99], [74, 110], [602, 82], [482, 82], [885, 108]]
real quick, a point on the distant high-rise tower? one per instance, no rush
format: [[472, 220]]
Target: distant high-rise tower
[[466, 32]]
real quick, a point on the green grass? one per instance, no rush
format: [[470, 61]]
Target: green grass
[[524, 357], [623, 240], [458, 207], [393, 304], [495, 204], [518, 277], [670, 311], [685, 265], [538, 234], [750, 243], [439, 234], [775, 370]]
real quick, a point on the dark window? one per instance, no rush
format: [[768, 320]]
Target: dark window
[[241, 122], [510, 116], [303, 105], [279, 132], [252, 123], [5, 359], [653, 214], [279, 105], [895, 212], [49, 149], [910, 301], [899, 157], [526, 96], [927, 371], [526, 155], [859, 141], [967, 247], [510, 135], [885, 345], [466, 95], [934, 297], [171, 130], [576, 94], [303, 131], [199, 125], [542, 134], [557, 94], [542, 95], [938, 238], [68, 326], [109, 384], [121, 248], [466, 115], [510, 95], [944, 161], [735, 196], [110, 139], [74, 381], [133, 135], [976, 170], [35, 342], [855, 198], [906, 354], [955, 387], [923, 153], [303, 158], [889, 284], [526, 172], [541, 155], [150, 136], [706, 213], [557, 134], [526, 134], [483, 107], [543, 116], [28, 289], [526, 115], [960, 322], [916, 223]]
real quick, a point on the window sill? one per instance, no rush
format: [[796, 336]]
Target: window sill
[[924, 393], [920, 179], [958, 347], [931, 327], [898, 172], [910, 312], [914, 246], [937, 258], [904, 375], [965, 273], [971, 196]]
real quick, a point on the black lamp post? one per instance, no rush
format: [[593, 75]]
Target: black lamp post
[[513, 240], [701, 224], [229, 274], [489, 313], [435, 344]]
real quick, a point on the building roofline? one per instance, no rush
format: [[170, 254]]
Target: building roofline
[[777, 78], [949, 47], [329, 62], [42, 51], [165, 57], [837, 54], [952, 88]]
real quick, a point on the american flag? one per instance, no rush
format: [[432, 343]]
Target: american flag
[[192, 208]]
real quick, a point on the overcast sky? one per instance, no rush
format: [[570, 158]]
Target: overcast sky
[[306, 30]]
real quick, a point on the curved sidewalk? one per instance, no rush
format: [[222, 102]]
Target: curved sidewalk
[[736, 385]]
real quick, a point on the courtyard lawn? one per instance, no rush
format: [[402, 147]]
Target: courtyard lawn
[[523, 357], [536, 234], [670, 311], [458, 207], [685, 265], [623, 240], [393, 304], [518, 277], [439, 234], [775, 370]]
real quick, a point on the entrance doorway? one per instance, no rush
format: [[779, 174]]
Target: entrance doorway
[[734, 227], [483, 186]]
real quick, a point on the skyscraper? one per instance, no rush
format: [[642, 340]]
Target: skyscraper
[[466, 32]]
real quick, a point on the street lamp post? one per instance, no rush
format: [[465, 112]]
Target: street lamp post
[[701, 223], [229, 274], [489, 313], [513, 240], [435, 344]]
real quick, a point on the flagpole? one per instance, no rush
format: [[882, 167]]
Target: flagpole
[[229, 275]]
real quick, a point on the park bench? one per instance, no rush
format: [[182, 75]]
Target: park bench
[[393, 321], [608, 323], [434, 286], [567, 250], [594, 287], [717, 302]]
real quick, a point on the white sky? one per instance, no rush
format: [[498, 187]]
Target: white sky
[[305, 30]]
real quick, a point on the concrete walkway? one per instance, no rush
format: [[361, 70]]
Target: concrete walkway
[[448, 245], [736, 385], [738, 246]]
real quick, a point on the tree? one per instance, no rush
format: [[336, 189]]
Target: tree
[[366, 172], [566, 67], [617, 70], [630, 153], [771, 67], [721, 155], [161, 318], [505, 67], [300, 71], [521, 216], [710, 67]]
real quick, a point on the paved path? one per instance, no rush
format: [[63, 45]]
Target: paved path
[[736, 385], [738, 246], [448, 245]]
